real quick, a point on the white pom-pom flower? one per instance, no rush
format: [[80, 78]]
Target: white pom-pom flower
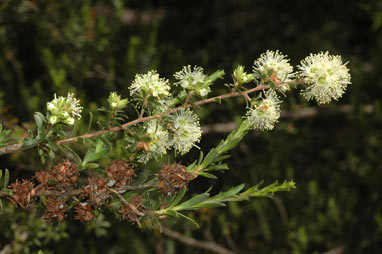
[[326, 75], [159, 140], [150, 84], [186, 130], [273, 63], [265, 114], [193, 79]]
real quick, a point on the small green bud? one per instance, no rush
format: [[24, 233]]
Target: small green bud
[[115, 101], [53, 120], [241, 76], [69, 121]]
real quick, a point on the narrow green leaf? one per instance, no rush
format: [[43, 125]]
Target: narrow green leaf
[[216, 75], [1, 207], [210, 204], [223, 166], [91, 165], [200, 157], [178, 197], [209, 158], [6, 179], [190, 167], [188, 219], [51, 181], [171, 213], [231, 144], [39, 119], [223, 157], [70, 150], [52, 145], [189, 204], [228, 194], [208, 175]]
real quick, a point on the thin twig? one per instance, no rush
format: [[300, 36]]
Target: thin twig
[[188, 97], [125, 202], [206, 245], [76, 192], [143, 107], [16, 147]]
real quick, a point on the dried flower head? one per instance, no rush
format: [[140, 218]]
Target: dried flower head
[[194, 80], [173, 177], [265, 114], [326, 75], [159, 141], [275, 66], [133, 211], [21, 193], [120, 173], [64, 109], [150, 84], [84, 212], [96, 191], [54, 211], [62, 175], [186, 130]]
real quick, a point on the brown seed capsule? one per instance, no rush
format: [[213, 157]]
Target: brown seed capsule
[[84, 212], [121, 172], [59, 176], [133, 211], [55, 210], [21, 192], [96, 191], [173, 177]]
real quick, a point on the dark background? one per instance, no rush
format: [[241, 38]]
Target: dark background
[[334, 155]]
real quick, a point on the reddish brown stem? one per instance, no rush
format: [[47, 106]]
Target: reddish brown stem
[[16, 147]]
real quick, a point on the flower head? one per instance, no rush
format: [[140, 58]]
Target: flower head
[[186, 128], [273, 65], [150, 84], [64, 109], [159, 140], [326, 75], [194, 80], [264, 115]]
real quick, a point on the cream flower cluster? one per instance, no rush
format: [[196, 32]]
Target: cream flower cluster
[[186, 130], [194, 80], [182, 132], [150, 84], [159, 140], [273, 63], [265, 115], [326, 75], [64, 109]]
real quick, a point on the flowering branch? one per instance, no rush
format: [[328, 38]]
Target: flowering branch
[[16, 147], [165, 122]]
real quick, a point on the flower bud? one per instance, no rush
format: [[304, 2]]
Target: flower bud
[[53, 120], [115, 101], [241, 76], [69, 121]]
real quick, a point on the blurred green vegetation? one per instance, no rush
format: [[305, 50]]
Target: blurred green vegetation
[[94, 47]]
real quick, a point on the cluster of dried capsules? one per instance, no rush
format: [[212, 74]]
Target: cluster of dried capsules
[[57, 189]]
